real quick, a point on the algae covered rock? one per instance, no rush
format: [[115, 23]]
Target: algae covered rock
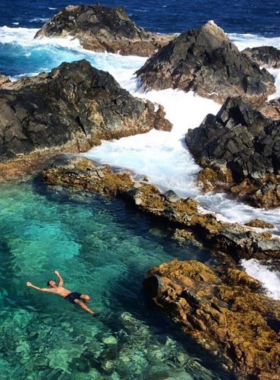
[[257, 223], [222, 313], [234, 239], [102, 28], [204, 60]]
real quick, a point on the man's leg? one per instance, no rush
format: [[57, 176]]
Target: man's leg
[[83, 306], [85, 298]]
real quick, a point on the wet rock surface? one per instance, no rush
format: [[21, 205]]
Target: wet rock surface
[[240, 148], [206, 61], [222, 311], [234, 239], [265, 56], [102, 28], [70, 109]]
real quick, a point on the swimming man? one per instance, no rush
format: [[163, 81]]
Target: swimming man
[[73, 297]]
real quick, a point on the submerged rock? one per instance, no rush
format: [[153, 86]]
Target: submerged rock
[[232, 238], [240, 148], [69, 109], [222, 312], [265, 56], [102, 28], [206, 61]]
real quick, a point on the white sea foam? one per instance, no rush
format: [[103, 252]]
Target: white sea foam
[[243, 41], [38, 19], [270, 279], [20, 36], [163, 156], [276, 74]]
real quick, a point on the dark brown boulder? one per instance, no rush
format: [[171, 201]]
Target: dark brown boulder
[[265, 56], [102, 28], [242, 141], [70, 109], [206, 61]]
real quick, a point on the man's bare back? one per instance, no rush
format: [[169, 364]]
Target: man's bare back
[[73, 297]]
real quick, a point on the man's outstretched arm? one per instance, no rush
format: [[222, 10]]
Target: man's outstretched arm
[[40, 289], [61, 281]]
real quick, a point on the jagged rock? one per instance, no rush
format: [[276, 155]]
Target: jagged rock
[[222, 313], [271, 109], [234, 239], [102, 28], [265, 56], [257, 223], [206, 61], [242, 141], [4, 80], [70, 109]]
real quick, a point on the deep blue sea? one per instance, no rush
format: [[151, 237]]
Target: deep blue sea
[[164, 16], [99, 245]]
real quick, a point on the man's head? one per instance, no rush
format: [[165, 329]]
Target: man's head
[[51, 284]]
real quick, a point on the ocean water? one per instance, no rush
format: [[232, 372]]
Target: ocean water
[[100, 246]]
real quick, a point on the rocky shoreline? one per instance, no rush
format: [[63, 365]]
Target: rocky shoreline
[[182, 214], [225, 310], [75, 106], [69, 109]]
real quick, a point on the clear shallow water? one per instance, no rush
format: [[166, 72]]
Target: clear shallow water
[[102, 249]]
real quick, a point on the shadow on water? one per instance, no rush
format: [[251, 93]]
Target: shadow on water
[[126, 298]]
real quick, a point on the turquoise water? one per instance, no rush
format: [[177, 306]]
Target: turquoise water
[[103, 249]]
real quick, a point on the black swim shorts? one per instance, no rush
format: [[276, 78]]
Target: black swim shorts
[[73, 296]]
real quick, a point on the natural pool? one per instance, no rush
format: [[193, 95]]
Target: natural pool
[[101, 248]]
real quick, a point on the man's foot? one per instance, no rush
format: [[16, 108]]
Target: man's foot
[[96, 314]]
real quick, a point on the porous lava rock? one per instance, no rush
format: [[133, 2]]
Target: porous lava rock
[[206, 61], [242, 147], [69, 109], [222, 312], [265, 56], [102, 28]]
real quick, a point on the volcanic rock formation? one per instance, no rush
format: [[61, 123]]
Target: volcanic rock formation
[[239, 146], [206, 61], [265, 56], [70, 109], [103, 29], [222, 312]]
